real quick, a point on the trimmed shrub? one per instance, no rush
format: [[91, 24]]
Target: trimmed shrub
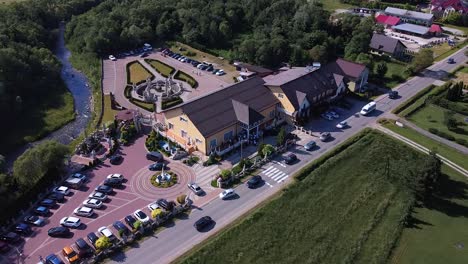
[[413, 99], [181, 198], [182, 76], [462, 141], [171, 102]]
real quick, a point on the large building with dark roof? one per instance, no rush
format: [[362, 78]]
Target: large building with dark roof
[[382, 44], [218, 121]]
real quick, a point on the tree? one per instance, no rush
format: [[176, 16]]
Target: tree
[[225, 174], [157, 213], [268, 150], [137, 225], [365, 59], [260, 148], [319, 53], [281, 137], [181, 199], [423, 59], [450, 121], [2, 163], [381, 70], [103, 243], [455, 91]]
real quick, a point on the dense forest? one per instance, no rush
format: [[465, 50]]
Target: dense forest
[[264, 32]]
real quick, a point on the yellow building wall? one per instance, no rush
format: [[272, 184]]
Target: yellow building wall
[[219, 136], [286, 104], [173, 117], [351, 85]]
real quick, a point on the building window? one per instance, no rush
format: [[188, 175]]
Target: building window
[[280, 95], [213, 143], [228, 135], [183, 133], [171, 126], [183, 119]]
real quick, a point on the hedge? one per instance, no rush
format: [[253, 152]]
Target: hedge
[[127, 69], [171, 102], [435, 131], [182, 76], [413, 99], [156, 69]]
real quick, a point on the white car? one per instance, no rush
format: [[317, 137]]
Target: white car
[[195, 188], [112, 58], [62, 189], [227, 194], [144, 219], [98, 196], [153, 206], [115, 176], [79, 176], [93, 203], [220, 73], [342, 124], [84, 211], [107, 233], [71, 222]]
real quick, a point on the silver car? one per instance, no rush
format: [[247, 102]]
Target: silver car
[[93, 203], [195, 188], [98, 196], [84, 211]]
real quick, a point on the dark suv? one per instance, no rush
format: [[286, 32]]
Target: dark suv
[[393, 95], [289, 158], [84, 249], [254, 181], [163, 203], [202, 222]]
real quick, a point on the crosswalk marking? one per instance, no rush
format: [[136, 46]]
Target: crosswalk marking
[[205, 174], [275, 174]]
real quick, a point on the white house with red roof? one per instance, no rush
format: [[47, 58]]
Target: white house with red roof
[[443, 8]]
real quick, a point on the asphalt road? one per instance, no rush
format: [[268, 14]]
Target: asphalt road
[[176, 240]]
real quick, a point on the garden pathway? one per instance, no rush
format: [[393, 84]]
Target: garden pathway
[[151, 69]]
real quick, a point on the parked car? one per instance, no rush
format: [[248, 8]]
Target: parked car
[[70, 254], [154, 156], [79, 176], [62, 190], [144, 54], [98, 196], [92, 238], [116, 159], [226, 194], [4, 247], [153, 206], [180, 154], [140, 215], [104, 188], [164, 204], [254, 181], [83, 211], [214, 71], [53, 259], [93, 203], [84, 249], [310, 145], [60, 198], [121, 228], [157, 166], [48, 203], [112, 58], [393, 94], [23, 229], [34, 220], [59, 231], [290, 158], [74, 183], [72, 222], [327, 116], [10, 237], [342, 124], [112, 182], [324, 136], [195, 188], [451, 61], [202, 222], [42, 211], [220, 73], [116, 176], [130, 220], [107, 233]]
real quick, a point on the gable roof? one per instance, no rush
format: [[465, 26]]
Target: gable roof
[[346, 68], [435, 28], [384, 43], [387, 20], [216, 111], [455, 4], [407, 13], [255, 68], [245, 113], [286, 76], [412, 28]]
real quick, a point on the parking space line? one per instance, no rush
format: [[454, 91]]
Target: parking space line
[[117, 207], [120, 191], [117, 198], [271, 186]]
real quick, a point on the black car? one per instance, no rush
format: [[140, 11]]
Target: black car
[[84, 249], [254, 181], [34, 220], [157, 166], [23, 229], [121, 228], [130, 220], [48, 202], [202, 222], [163, 203], [57, 197], [116, 159], [393, 94], [59, 231], [10, 237], [290, 158], [104, 189], [113, 182], [92, 238]]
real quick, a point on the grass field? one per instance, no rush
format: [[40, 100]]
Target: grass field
[[332, 5], [442, 149], [161, 68], [432, 116], [137, 72], [109, 113], [56, 110], [444, 51], [439, 229], [346, 211], [180, 75], [413, 107], [396, 72]]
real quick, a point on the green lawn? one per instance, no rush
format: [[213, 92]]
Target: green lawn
[[432, 116], [137, 72], [413, 107], [439, 228], [332, 5], [396, 72], [162, 68], [348, 210], [54, 111], [109, 113], [443, 51], [180, 75], [442, 149]]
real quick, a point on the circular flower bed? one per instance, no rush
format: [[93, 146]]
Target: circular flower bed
[[164, 184]]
